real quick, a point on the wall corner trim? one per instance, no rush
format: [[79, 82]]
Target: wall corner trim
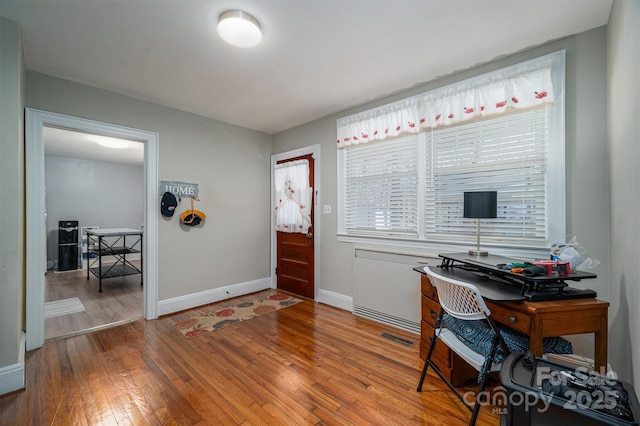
[[336, 300], [12, 377]]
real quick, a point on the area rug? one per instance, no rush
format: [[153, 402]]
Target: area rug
[[224, 317], [63, 307]]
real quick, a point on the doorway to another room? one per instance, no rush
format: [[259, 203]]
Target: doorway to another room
[[68, 284], [92, 182]]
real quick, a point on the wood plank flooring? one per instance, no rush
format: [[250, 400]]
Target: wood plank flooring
[[121, 300], [308, 364]]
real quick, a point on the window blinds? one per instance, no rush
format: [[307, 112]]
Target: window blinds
[[382, 187], [406, 188], [506, 154]]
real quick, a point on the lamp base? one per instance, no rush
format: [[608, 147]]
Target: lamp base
[[478, 253]]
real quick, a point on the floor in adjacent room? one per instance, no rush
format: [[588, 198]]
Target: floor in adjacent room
[[121, 300]]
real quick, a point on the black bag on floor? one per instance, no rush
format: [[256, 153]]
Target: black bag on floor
[[540, 392]]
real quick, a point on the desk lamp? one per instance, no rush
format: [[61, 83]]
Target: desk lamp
[[480, 205]]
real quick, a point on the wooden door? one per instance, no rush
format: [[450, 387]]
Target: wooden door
[[295, 254]]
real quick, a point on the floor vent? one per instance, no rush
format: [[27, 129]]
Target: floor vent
[[393, 321], [398, 339]]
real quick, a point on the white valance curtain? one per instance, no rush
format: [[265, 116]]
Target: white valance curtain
[[293, 196], [516, 88]]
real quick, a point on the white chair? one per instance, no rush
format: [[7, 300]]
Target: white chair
[[462, 300]]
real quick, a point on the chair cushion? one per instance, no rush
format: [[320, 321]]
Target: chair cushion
[[477, 335]]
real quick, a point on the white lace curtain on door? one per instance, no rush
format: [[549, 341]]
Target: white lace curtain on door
[[293, 196]]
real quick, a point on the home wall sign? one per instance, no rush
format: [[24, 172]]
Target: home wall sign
[[179, 189]]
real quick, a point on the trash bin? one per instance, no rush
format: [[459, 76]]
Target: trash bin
[[67, 245], [540, 392]]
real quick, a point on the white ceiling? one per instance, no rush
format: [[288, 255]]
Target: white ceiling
[[317, 57], [67, 143]]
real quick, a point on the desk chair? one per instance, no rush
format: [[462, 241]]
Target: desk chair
[[463, 301]]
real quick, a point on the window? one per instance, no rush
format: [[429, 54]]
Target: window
[[505, 154], [410, 186], [382, 188]]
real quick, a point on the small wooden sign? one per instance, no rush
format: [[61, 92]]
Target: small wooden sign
[[179, 189]]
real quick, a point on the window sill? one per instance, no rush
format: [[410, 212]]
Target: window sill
[[431, 248]]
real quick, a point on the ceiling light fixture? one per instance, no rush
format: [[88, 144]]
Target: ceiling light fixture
[[111, 142], [239, 28]]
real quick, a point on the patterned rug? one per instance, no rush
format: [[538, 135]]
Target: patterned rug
[[221, 318]]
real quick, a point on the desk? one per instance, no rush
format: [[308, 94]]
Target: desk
[[113, 242], [535, 319]]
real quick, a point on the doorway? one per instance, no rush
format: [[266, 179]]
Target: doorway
[[295, 256], [92, 182], [294, 185], [36, 122]]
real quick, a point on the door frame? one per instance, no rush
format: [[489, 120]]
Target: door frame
[[314, 150], [35, 122]]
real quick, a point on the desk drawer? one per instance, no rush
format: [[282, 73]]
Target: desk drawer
[[516, 320], [427, 288], [430, 310]]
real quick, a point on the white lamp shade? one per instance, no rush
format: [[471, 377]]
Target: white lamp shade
[[239, 28]]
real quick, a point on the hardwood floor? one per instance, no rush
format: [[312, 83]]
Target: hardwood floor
[[121, 300], [307, 364]]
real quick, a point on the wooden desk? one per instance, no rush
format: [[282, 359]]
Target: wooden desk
[[557, 318], [535, 319]]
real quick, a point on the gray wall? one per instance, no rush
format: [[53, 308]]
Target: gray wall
[[12, 278], [95, 193], [229, 163], [587, 169], [623, 59]]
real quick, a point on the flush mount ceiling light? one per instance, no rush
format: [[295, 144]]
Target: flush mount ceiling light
[[239, 28], [112, 142]]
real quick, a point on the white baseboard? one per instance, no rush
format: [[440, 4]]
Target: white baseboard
[[336, 300], [194, 300], [12, 377], [177, 304]]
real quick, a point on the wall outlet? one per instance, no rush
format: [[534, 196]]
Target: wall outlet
[[327, 209]]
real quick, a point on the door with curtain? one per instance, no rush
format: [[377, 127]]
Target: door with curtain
[[293, 179]]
